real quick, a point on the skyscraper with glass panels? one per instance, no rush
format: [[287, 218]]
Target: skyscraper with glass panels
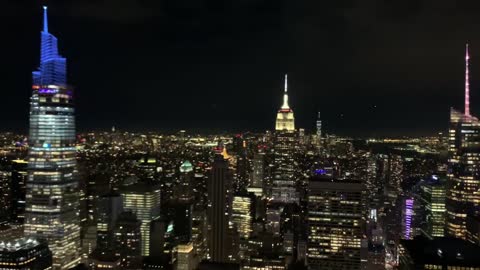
[[463, 165], [336, 217], [143, 199], [52, 200]]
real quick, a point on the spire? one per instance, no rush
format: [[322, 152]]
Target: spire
[[285, 95], [467, 83], [45, 19]]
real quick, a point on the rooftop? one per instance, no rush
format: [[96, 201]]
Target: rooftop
[[19, 244], [442, 251]]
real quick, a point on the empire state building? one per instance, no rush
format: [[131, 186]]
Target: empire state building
[[52, 199], [283, 189]]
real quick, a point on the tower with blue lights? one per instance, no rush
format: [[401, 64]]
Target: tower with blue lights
[[52, 200]]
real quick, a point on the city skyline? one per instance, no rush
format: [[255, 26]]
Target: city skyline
[[428, 81], [291, 198]]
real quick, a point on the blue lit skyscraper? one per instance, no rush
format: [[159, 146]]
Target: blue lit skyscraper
[[52, 200]]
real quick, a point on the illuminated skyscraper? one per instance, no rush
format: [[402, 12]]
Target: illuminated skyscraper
[[283, 189], [463, 165], [336, 216], [319, 130], [242, 215], [5, 194], [433, 196], [186, 257], [144, 201], [52, 200]]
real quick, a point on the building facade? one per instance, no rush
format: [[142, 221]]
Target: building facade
[[219, 209], [52, 199], [144, 201], [336, 215], [25, 253], [283, 189]]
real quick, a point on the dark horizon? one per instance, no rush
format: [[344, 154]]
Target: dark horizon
[[371, 69]]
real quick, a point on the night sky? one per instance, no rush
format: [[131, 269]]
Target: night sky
[[371, 67]]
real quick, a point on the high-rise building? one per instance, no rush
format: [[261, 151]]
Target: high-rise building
[[52, 200], [463, 165], [128, 241], [410, 226], [25, 253], [143, 200], [186, 258], [242, 215], [433, 196], [19, 180], [183, 203], [109, 207], [283, 189], [258, 170], [319, 128], [336, 216], [219, 196], [200, 231], [5, 194]]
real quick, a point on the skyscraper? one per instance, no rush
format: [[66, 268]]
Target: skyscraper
[[127, 240], [186, 259], [219, 197], [5, 194], [52, 200], [19, 179], [319, 130], [432, 196], [463, 164], [336, 211], [144, 200], [283, 189], [242, 215], [109, 207]]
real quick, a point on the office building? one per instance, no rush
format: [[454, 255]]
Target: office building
[[336, 215], [127, 241], [283, 189], [109, 207], [143, 200], [463, 165], [19, 181], [242, 215], [219, 208], [25, 254], [186, 257], [5, 194], [319, 129], [52, 200], [432, 197]]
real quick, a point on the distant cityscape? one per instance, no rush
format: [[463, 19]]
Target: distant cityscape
[[281, 199]]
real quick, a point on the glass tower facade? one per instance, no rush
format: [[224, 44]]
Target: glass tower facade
[[144, 201], [336, 217], [52, 197], [463, 171]]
